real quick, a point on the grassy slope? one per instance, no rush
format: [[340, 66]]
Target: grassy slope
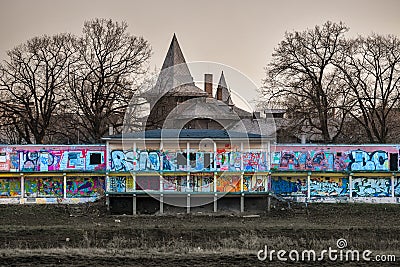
[[85, 234]]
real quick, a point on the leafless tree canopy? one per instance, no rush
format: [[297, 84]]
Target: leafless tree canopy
[[102, 80], [371, 74], [328, 82], [32, 82], [65, 88]]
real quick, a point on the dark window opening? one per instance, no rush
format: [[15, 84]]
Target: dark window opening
[[95, 158]]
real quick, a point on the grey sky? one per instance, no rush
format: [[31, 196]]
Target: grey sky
[[241, 34]]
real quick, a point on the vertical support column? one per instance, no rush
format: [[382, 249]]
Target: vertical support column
[[269, 203], [242, 202], [135, 163], [161, 203], [215, 156], [268, 182], [215, 182], [107, 182], [351, 186], [22, 188], [215, 202], [308, 186], [187, 156], [134, 204], [268, 155], [161, 157], [241, 182], [392, 183], [188, 203], [65, 185], [161, 183], [241, 156], [107, 190], [134, 182], [107, 156]]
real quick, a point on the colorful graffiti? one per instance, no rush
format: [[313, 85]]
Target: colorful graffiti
[[10, 187], [202, 183], [289, 186], [44, 187], [228, 183], [255, 161], [371, 187], [49, 158], [363, 161], [122, 161], [326, 186], [396, 187], [84, 187], [352, 160], [254, 183]]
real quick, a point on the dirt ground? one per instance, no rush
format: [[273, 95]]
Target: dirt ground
[[87, 235]]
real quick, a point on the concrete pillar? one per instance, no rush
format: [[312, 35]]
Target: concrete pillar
[[22, 186], [134, 182], [392, 183], [161, 203], [215, 202], [108, 202], [242, 202], [308, 186], [187, 156], [135, 163], [134, 204], [107, 182], [188, 204], [351, 186], [215, 182], [65, 186], [269, 203], [241, 182], [241, 156]]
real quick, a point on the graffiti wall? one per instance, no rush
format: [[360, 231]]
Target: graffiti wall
[[84, 186], [335, 158], [255, 161], [10, 187], [329, 187], [371, 187], [254, 183], [181, 161], [228, 183], [52, 158], [289, 186], [44, 187], [120, 184]]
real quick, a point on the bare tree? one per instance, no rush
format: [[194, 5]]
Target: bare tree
[[105, 77], [31, 85], [371, 73], [302, 76]]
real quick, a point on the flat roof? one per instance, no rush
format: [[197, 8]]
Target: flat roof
[[185, 134]]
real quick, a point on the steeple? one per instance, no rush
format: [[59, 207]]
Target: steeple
[[174, 55], [174, 69], [223, 93]]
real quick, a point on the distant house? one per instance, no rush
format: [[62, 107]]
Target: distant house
[[177, 103]]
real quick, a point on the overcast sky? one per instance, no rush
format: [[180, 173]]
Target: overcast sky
[[240, 34]]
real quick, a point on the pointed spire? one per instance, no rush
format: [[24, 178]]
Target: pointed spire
[[175, 76], [223, 93], [174, 55], [222, 82]]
